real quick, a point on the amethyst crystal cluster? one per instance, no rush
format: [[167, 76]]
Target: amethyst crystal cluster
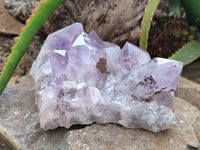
[[81, 79]]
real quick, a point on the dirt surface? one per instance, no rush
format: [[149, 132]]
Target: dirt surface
[[192, 71], [169, 34], [6, 42]]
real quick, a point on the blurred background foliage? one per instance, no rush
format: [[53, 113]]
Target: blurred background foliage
[[176, 34]]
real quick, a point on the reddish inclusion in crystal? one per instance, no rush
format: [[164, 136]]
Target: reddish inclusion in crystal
[[81, 79]]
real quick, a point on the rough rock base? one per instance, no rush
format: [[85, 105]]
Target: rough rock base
[[19, 126]]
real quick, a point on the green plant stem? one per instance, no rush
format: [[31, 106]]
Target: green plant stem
[[33, 25], [146, 22], [192, 9]]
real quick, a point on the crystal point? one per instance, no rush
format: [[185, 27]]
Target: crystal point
[[131, 57], [80, 79]]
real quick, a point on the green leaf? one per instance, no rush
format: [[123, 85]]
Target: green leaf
[[42, 13], [192, 9], [146, 22], [187, 53]]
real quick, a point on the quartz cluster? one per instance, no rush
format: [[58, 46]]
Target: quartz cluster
[[80, 79]]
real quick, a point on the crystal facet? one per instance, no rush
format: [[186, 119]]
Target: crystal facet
[[81, 79]]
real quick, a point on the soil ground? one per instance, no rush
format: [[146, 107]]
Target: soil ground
[[6, 42], [192, 71]]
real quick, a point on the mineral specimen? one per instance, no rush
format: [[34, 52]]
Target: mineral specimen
[[81, 79]]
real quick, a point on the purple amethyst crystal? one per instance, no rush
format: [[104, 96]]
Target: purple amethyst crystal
[[81, 79]]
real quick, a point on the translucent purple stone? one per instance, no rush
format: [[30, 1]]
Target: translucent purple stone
[[81, 79]]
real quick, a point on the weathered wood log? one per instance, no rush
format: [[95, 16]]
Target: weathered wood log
[[116, 21]]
